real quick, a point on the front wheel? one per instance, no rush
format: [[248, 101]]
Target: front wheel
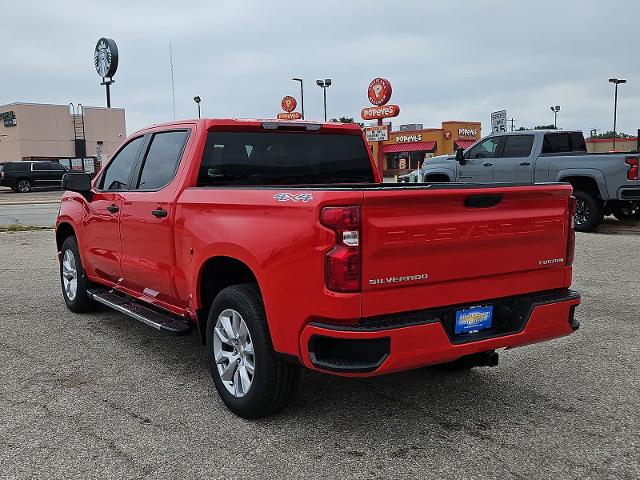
[[589, 211], [73, 279], [250, 379], [626, 210]]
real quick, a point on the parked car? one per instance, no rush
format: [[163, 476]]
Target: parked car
[[280, 244], [22, 176], [603, 183]]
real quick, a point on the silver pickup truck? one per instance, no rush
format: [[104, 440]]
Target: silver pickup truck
[[603, 183]]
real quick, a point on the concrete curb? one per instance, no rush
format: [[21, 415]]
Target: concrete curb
[[43, 202]]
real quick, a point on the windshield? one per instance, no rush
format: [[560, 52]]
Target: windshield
[[284, 158]]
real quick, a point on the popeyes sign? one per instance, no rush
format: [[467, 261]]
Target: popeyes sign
[[379, 94], [289, 104], [372, 113]]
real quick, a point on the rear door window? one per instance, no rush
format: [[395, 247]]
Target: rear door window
[[117, 174], [518, 146], [162, 159]]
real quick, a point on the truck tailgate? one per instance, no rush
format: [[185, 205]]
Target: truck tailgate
[[449, 245]]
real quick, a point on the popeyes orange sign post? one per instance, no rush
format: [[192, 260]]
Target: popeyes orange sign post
[[379, 94], [289, 104]]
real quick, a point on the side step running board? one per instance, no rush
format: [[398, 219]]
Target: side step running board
[[164, 322]]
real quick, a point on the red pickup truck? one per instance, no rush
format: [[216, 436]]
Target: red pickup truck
[[278, 242]]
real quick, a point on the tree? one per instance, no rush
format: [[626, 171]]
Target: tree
[[521, 129], [546, 127], [345, 119], [609, 134]]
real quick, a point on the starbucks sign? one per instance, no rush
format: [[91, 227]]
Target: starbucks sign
[[105, 57]]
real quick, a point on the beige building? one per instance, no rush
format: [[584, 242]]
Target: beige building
[[32, 131], [603, 145]]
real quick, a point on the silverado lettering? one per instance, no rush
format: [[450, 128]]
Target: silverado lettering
[[409, 278]]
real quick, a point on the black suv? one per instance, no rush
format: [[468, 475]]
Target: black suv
[[23, 176]]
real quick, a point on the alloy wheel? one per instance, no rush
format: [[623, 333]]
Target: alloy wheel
[[23, 186], [233, 353], [69, 275], [632, 209], [583, 212]]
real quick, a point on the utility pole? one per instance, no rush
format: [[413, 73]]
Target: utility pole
[[616, 81], [324, 84], [173, 89], [301, 94], [512, 120]]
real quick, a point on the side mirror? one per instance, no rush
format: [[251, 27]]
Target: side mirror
[[77, 182], [460, 156]]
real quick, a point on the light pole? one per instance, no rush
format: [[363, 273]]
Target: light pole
[[324, 84], [616, 81], [555, 111], [197, 99], [301, 94]]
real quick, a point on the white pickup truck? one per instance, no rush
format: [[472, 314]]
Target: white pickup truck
[[603, 183]]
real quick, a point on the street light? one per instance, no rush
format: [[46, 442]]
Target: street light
[[301, 94], [197, 99], [617, 82], [555, 111], [324, 84]]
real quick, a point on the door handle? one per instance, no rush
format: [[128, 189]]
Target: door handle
[[113, 208], [159, 213], [524, 164], [487, 164]]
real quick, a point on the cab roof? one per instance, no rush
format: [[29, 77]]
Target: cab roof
[[267, 124]]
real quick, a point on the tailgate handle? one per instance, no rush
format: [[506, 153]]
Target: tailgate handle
[[482, 201]]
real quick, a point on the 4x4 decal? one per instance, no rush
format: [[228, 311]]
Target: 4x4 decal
[[294, 197]]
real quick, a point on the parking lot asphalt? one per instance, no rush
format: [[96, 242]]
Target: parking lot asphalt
[[38, 195], [103, 396]]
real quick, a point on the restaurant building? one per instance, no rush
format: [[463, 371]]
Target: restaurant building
[[34, 131], [604, 145], [412, 144]]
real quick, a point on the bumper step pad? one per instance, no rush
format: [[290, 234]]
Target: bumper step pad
[[162, 321]]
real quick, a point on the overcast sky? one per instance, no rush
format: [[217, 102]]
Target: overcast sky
[[456, 60]]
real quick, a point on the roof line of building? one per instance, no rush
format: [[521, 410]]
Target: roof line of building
[[58, 105]]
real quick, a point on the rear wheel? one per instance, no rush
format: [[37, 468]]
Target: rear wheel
[[250, 379], [626, 210], [589, 211], [73, 280], [23, 185]]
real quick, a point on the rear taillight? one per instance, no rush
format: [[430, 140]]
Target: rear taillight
[[571, 232], [632, 173], [342, 262]]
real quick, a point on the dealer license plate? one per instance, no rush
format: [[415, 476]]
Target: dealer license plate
[[474, 319]]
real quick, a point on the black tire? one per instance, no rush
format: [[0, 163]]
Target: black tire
[[80, 303], [589, 211], [23, 185], [625, 211], [274, 380]]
